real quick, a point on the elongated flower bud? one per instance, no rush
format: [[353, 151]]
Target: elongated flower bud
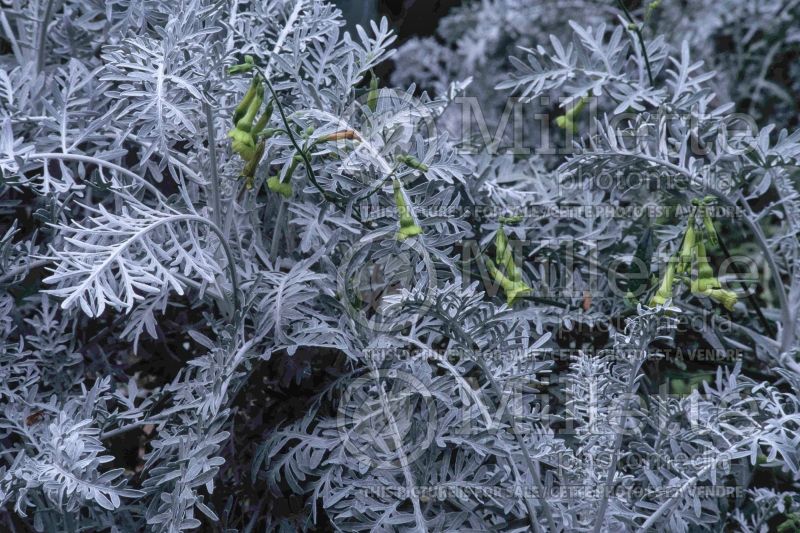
[[687, 248], [726, 297], [249, 171], [246, 122], [263, 120], [705, 273], [268, 133], [241, 109], [565, 123], [513, 289], [708, 224], [664, 291], [412, 162], [504, 255], [242, 144], [343, 135], [567, 120], [283, 188], [247, 66], [372, 97], [408, 228]]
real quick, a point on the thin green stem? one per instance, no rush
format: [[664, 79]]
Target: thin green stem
[[638, 31], [309, 171], [306, 161]]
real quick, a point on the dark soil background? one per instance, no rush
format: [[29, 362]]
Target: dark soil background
[[409, 18]]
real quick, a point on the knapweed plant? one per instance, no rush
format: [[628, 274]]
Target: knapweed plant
[[246, 285]]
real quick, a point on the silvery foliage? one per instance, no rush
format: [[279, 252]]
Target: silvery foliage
[[113, 152], [750, 45]]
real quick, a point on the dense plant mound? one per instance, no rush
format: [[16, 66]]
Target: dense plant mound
[[546, 279]]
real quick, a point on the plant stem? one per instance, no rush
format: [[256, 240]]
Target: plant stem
[[306, 162], [40, 46], [787, 334], [404, 464], [534, 473], [612, 467], [231, 264], [276, 232], [212, 156], [638, 32], [124, 429]]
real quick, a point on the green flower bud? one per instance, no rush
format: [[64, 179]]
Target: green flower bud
[[408, 228], [504, 255], [372, 97], [708, 224], [664, 291], [577, 108], [247, 66], [249, 171], [513, 289], [268, 133], [413, 162], [246, 122], [263, 120], [726, 297], [687, 248], [565, 123], [705, 273], [281, 187], [517, 289], [567, 120], [243, 143], [241, 109]]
